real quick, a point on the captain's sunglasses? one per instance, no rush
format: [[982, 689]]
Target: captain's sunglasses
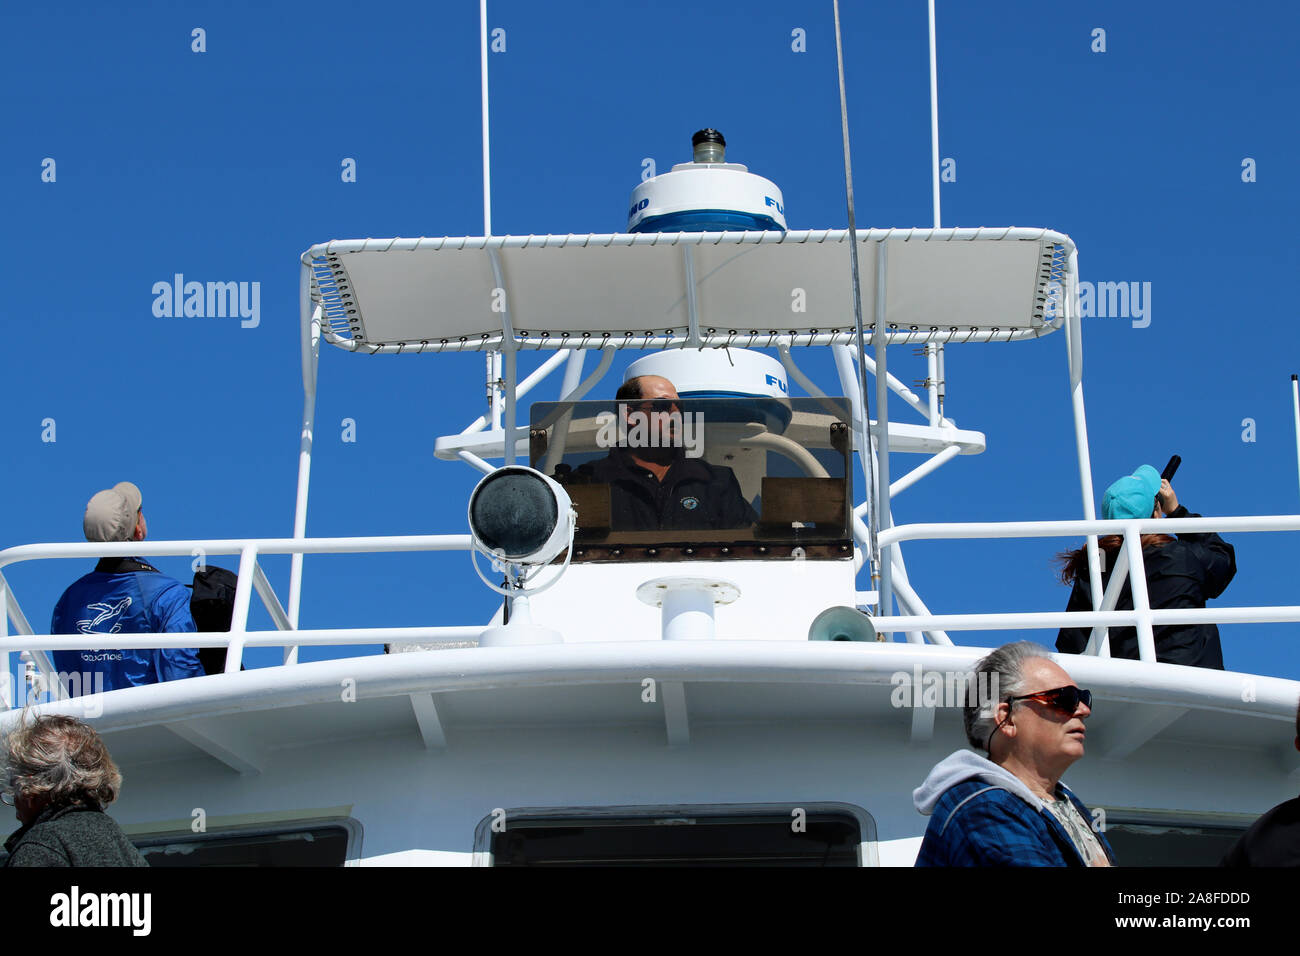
[[1064, 699], [656, 406]]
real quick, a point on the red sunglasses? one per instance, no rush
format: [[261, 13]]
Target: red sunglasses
[[1064, 699]]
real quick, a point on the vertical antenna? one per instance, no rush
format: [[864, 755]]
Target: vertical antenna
[[487, 153], [496, 400], [937, 387], [865, 450], [934, 116]]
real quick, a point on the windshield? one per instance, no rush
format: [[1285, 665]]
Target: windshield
[[672, 479]]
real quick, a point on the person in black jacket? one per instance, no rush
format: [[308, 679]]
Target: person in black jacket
[[1182, 572], [1273, 839], [58, 776], [654, 482]]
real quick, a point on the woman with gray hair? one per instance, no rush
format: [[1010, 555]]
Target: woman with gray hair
[[1011, 809], [57, 775]]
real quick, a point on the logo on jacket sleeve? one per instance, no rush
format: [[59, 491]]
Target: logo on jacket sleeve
[[108, 619]]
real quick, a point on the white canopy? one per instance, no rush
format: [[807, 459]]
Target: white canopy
[[656, 290]]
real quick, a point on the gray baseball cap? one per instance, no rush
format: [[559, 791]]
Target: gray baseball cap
[[111, 514]]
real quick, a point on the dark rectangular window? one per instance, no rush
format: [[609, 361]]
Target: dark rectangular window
[[1144, 844], [324, 845], [666, 839]]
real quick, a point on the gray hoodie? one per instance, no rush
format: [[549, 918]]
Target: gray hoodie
[[966, 765]]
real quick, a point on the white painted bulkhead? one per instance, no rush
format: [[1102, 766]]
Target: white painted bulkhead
[[435, 741]]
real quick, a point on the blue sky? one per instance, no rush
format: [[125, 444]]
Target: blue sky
[[225, 165]]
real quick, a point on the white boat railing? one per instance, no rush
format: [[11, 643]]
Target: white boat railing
[[251, 578], [1129, 567]]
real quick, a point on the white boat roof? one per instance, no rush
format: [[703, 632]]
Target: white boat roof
[[657, 290]]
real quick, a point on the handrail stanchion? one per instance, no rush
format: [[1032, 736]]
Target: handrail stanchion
[[7, 693], [1141, 600], [269, 601], [1099, 641], [42, 661], [310, 368], [239, 618]]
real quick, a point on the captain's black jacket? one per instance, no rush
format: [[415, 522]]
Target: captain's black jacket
[[694, 495], [1185, 572]]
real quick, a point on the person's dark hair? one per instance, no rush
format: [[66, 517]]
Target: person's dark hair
[[1074, 564], [60, 759], [629, 391]]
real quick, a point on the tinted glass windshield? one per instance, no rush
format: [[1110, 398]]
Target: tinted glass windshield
[[700, 477]]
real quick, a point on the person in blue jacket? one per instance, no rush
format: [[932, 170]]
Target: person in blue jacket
[[123, 596], [1011, 809]]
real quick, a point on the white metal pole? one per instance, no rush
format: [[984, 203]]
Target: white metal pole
[[239, 616], [883, 518], [1295, 401], [493, 356], [848, 374], [525, 387], [923, 469], [895, 386], [932, 379], [560, 433], [854, 271], [487, 152], [511, 402], [311, 330], [942, 381], [7, 680], [572, 373], [493, 375], [936, 368], [905, 594], [1141, 599], [1074, 350], [934, 115]]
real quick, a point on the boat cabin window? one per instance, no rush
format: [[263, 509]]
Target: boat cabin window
[[323, 844], [1146, 844], [727, 477], [684, 836]]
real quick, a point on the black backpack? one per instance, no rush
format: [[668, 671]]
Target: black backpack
[[212, 605]]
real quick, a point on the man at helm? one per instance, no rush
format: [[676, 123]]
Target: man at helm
[[654, 483]]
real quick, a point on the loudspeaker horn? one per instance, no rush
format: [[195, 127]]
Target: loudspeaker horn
[[841, 624]]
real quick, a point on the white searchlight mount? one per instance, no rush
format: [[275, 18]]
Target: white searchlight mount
[[522, 521]]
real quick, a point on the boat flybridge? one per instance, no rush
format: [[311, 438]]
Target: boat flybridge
[[727, 683]]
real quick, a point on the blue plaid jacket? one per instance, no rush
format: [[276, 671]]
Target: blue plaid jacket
[[978, 824]]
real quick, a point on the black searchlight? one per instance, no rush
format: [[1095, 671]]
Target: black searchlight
[[523, 521], [518, 515]]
